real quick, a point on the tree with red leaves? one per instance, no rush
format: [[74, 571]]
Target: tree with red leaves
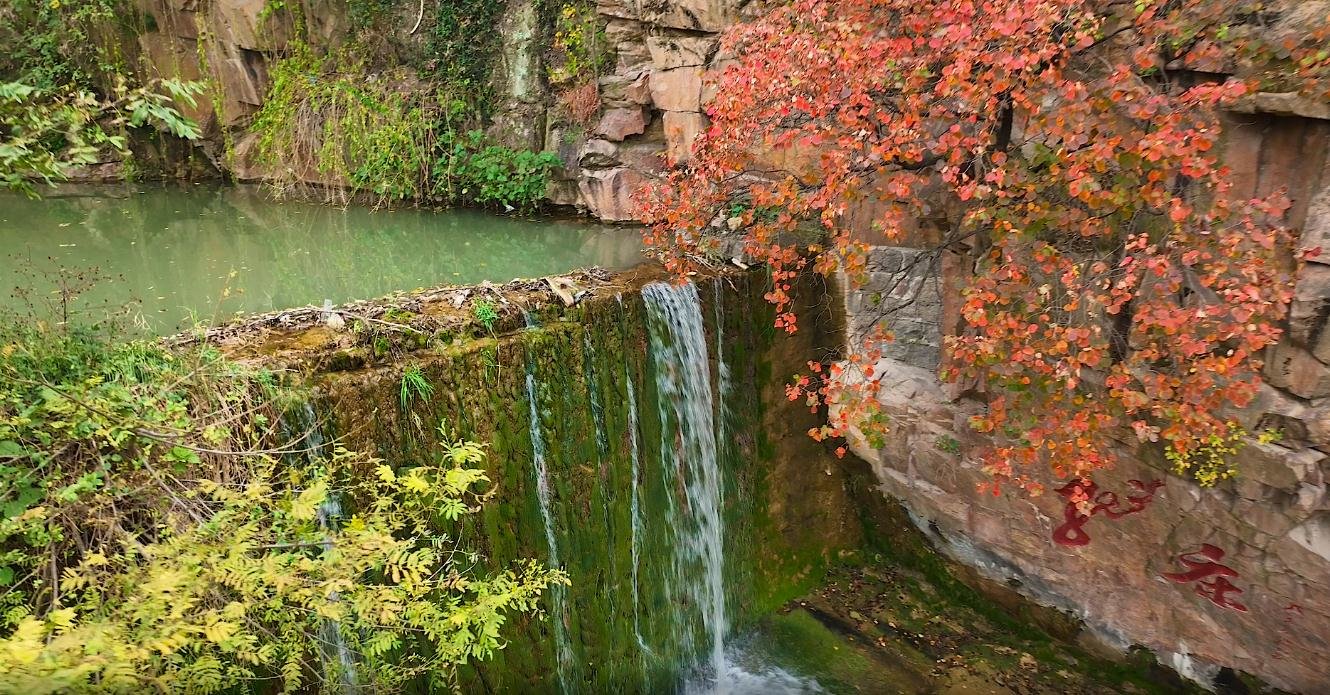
[[1069, 150]]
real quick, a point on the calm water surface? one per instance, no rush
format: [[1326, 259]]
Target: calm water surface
[[205, 253]]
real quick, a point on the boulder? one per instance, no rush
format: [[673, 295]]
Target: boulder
[[696, 15], [244, 24], [610, 194], [1310, 310], [1293, 368], [681, 128], [679, 89], [598, 154], [618, 9], [669, 52], [1316, 230], [619, 123], [1283, 104], [629, 42], [1277, 466], [621, 90]]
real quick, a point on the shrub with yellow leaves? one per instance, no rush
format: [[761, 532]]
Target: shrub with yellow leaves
[[154, 539]]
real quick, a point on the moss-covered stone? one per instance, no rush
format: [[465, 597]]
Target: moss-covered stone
[[786, 505]]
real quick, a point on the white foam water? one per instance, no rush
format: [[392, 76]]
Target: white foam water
[[745, 675], [558, 593], [690, 461]]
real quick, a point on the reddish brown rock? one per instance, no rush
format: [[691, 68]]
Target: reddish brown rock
[[619, 124], [598, 154], [1311, 309], [669, 52], [1279, 553], [679, 89], [1296, 370], [1316, 228], [618, 90], [699, 15], [610, 194], [245, 24], [680, 131]]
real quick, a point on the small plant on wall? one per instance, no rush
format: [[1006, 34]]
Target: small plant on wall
[[581, 103], [576, 58]]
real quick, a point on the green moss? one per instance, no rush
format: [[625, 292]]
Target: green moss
[[582, 359], [806, 646], [933, 603]]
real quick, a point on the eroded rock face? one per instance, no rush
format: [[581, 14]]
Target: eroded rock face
[[228, 43], [1144, 570], [1272, 529], [621, 123], [652, 101], [664, 52]]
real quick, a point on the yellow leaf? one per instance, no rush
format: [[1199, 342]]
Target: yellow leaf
[[414, 483], [219, 631], [307, 504], [62, 618]]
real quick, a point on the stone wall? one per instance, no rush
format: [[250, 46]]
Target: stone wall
[[653, 100], [1270, 527], [609, 443]]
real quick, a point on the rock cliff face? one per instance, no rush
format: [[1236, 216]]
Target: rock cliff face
[[1234, 576], [651, 94], [652, 101]]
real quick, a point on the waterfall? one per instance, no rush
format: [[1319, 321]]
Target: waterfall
[[335, 653], [301, 428], [593, 388], [635, 507], [634, 501], [683, 380], [558, 593]]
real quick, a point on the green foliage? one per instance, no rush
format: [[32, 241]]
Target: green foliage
[[462, 45], [317, 118], [368, 13], [414, 386], [45, 134], [578, 47], [484, 312], [151, 540], [61, 45], [323, 115], [492, 175]]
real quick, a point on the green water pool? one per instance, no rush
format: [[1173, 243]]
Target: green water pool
[[174, 255]]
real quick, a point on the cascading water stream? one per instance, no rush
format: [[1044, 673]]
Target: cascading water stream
[[635, 507], [634, 501], [558, 593], [722, 374], [301, 427], [683, 381]]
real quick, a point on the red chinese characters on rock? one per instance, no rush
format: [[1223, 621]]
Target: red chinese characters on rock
[[1080, 493], [1210, 577]]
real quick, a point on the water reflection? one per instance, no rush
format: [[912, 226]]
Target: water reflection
[[210, 251]]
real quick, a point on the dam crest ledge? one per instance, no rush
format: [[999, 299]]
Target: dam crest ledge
[[580, 386]]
